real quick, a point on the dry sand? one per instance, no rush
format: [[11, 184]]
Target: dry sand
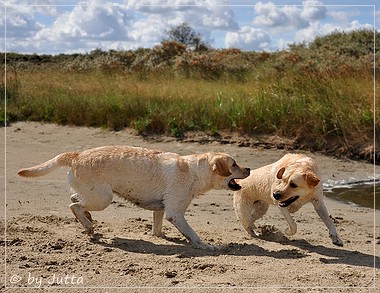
[[44, 246]]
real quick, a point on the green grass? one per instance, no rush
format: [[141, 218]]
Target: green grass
[[176, 105], [314, 95]]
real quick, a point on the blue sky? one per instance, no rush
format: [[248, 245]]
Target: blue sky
[[69, 26]]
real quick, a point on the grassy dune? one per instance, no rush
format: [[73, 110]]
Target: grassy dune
[[321, 96]]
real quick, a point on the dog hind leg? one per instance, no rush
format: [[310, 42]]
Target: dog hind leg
[[80, 213], [158, 216], [75, 198], [259, 209], [248, 211], [88, 198]]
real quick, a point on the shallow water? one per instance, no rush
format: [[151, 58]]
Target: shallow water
[[363, 193]]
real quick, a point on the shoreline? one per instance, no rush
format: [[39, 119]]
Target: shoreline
[[359, 193]]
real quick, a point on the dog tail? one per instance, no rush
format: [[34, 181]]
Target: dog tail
[[65, 159]]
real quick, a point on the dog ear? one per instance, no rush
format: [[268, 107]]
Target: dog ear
[[280, 173], [221, 167], [311, 179]]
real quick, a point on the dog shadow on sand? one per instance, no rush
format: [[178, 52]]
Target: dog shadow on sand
[[293, 249]]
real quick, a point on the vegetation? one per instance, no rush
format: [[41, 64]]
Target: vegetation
[[185, 35], [318, 95]]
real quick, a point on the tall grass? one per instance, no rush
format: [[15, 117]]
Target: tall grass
[[311, 94], [176, 105]]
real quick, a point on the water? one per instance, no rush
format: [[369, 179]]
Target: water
[[356, 192]]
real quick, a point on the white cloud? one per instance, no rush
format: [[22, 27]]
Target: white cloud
[[129, 24], [197, 13], [86, 27], [318, 29], [355, 25], [19, 21], [158, 16], [146, 31], [288, 17], [160, 6], [313, 10], [315, 29], [248, 39], [288, 24], [341, 16], [269, 15], [92, 21]]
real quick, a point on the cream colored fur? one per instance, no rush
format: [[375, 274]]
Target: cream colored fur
[[159, 181], [288, 183]]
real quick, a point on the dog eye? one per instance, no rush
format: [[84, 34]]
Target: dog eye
[[234, 164], [293, 185]]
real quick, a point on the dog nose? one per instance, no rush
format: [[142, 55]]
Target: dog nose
[[276, 195], [247, 170]]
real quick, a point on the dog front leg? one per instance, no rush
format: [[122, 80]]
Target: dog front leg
[[292, 225], [321, 210], [178, 220], [158, 216]]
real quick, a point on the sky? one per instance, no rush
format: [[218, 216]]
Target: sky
[[72, 26]]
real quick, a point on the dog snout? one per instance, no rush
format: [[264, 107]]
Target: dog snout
[[276, 195], [247, 170]]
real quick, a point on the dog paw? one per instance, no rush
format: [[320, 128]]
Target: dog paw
[[336, 240], [264, 230], [205, 246], [257, 233], [158, 234], [89, 230], [290, 232]]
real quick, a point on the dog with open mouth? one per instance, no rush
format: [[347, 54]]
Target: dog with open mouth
[[289, 183], [155, 180]]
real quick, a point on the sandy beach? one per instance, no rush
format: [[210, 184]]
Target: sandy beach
[[44, 246]]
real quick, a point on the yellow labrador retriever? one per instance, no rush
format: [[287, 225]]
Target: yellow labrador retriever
[[159, 181], [288, 183]]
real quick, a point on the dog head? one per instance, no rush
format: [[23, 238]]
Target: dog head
[[226, 170], [295, 182]]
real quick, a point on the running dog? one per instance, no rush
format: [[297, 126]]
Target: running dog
[[288, 183], [159, 181]]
